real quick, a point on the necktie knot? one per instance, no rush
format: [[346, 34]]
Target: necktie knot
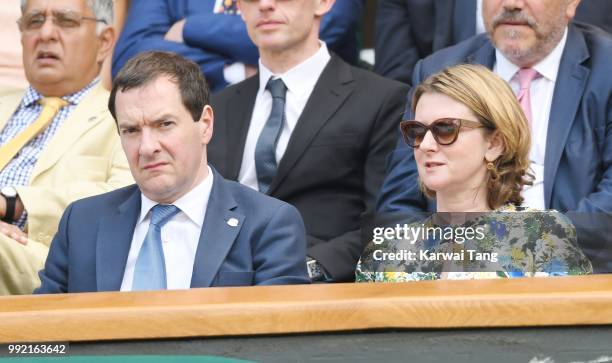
[[526, 76], [277, 88], [162, 213], [54, 103]]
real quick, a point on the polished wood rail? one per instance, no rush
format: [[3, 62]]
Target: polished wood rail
[[559, 301]]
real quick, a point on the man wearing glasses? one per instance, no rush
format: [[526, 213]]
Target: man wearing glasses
[[58, 143]]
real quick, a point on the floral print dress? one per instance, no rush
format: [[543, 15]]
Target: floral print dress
[[510, 242]]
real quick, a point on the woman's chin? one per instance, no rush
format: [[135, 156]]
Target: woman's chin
[[436, 185]]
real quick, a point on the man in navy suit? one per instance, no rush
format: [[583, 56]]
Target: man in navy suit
[[182, 225], [211, 33], [409, 30], [571, 112]]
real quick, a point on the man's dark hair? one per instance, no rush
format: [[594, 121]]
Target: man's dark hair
[[148, 66]]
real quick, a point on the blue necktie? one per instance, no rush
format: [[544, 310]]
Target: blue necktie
[[265, 149], [150, 269]]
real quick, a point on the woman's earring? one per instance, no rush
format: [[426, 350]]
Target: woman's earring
[[493, 170]]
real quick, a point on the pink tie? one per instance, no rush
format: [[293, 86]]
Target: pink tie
[[526, 76]]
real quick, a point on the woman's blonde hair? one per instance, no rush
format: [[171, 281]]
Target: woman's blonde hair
[[492, 101]]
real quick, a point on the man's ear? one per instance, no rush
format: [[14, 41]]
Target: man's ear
[[206, 124], [570, 9], [496, 147], [323, 6], [106, 40], [239, 6]]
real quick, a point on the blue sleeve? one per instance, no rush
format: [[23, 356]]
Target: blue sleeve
[[54, 276], [279, 256], [400, 192], [339, 28], [223, 34], [146, 24]]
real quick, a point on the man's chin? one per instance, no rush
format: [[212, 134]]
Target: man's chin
[[155, 187], [158, 195], [46, 75]]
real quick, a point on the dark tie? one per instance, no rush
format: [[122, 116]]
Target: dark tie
[[150, 269], [265, 150]]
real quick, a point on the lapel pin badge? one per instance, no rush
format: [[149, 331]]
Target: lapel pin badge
[[232, 222]]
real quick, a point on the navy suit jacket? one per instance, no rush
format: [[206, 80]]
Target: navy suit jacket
[[215, 40], [335, 160], [409, 30], [267, 247], [578, 161]]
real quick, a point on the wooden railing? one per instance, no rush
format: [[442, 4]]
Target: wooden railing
[[300, 309]]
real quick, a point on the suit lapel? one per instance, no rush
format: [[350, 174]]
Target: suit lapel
[[331, 90], [570, 83], [115, 234], [239, 111], [442, 32], [91, 111], [218, 235], [8, 106]]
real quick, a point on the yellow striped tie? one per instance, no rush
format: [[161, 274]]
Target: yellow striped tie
[[51, 106]]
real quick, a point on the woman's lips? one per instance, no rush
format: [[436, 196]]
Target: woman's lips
[[433, 164]]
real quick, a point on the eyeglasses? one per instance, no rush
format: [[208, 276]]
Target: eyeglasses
[[445, 130], [64, 19]]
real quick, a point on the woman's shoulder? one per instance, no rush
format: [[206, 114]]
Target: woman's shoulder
[[549, 219]]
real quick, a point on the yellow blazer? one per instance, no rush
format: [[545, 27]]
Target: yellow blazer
[[83, 158]]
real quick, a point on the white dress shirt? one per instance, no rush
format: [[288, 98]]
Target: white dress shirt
[[542, 90], [180, 236], [300, 81]]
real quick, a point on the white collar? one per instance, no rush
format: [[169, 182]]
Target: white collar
[[193, 204], [301, 78], [547, 67]]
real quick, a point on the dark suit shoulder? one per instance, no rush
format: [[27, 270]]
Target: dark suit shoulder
[[372, 79], [597, 41], [220, 97], [458, 53], [251, 199]]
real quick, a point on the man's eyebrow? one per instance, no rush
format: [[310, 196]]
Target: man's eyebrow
[[162, 118], [127, 126]]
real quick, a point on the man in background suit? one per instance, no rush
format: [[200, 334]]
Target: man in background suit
[[182, 225], [211, 33], [571, 113], [409, 30], [58, 143], [309, 129]]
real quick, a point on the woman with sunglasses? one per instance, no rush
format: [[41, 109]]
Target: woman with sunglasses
[[471, 145]]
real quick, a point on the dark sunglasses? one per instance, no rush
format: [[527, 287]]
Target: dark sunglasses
[[445, 130]]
